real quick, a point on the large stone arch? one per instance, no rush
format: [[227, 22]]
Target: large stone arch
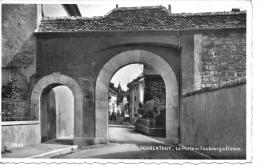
[[59, 79], [161, 66]]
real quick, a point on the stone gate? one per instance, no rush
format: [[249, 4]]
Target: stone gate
[[84, 53]]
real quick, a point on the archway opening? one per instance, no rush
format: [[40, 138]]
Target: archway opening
[[171, 87], [57, 114], [41, 90], [137, 105]]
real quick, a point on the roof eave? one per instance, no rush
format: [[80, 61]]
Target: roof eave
[[37, 32]]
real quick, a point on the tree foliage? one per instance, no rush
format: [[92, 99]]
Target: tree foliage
[[152, 108], [9, 90]]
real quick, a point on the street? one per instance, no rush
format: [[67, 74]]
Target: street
[[125, 143]]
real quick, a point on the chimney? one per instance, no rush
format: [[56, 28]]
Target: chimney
[[116, 5], [40, 14], [235, 10], [170, 8]]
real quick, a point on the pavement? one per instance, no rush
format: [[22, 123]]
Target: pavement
[[125, 143], [123, 134], [43, 150], [120, 122]]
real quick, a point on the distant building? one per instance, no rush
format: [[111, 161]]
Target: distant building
[[145, 87], [122, 101], [112, 99], [117, 100], [136, 89]]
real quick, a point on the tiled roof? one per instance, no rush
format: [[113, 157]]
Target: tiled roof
[[113, 88], [145, 18], [135, 80], [141, 76]]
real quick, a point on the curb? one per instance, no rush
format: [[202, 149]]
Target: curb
[[122, 126], [55, 152]]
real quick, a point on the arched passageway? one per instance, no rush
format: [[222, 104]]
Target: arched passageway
[[170, 80], [42, 93], [57, 113]]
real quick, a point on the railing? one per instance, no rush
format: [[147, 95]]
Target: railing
[[13, 110]]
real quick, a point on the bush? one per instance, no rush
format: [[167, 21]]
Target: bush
[[152, 109], [14, 109], [8, 110], [9, 90]]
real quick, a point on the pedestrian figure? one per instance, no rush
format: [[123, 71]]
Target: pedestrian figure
[[114, 116]]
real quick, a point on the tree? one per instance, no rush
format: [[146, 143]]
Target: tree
[[9, 90], [152, 108]]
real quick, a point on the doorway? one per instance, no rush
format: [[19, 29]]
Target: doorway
[[57, 114]]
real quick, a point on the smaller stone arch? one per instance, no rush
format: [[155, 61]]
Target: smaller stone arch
[[55, 79]]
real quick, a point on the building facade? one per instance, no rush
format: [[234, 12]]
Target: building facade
[[19, 23], [149, 85], [136, 96], [118, 101], [113, 101]]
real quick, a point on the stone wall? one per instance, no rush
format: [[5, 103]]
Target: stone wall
[[20, 133], [215, 118], [187, 63], [19, 21], [222, 57], [82, 56]]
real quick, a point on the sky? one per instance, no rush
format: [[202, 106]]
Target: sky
[[103, 7], [126, 74], [90, 10]]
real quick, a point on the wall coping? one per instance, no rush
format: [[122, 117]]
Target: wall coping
[[232, 83], [19, 122], [95, 33]]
